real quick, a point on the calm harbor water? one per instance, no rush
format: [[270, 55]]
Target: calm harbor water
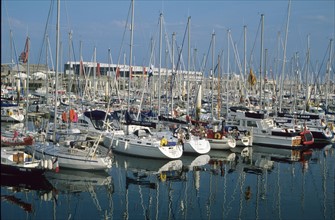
[[254, 183]]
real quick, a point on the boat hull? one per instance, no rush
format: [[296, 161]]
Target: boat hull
[[21, 170], [70, 158], [146, 148], [222, 144]]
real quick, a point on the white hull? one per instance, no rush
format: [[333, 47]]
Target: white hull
[[244, 141], [222, 144], [275, 141], [145, 148], [195, 145], [12, 114], [71, 158]]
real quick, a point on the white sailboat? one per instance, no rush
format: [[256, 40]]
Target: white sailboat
[[193, 144], [82, 155], [139, 140]]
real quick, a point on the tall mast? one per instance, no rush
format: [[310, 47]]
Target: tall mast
[[219, 88], [173, 69], [261, 61], [329, 64], [56, 74], [306, 75], [245, 58], [284, 56], [94, 71], [188, 66], [131, 51], [160, 64], [47, 66], [70, 65], [228, 70], [27, 84], [213, 46]]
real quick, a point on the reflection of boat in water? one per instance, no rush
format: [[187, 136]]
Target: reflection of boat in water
[[258, 159], [39, 183], [191, 162], [283, 155], [222, 155], [141, 168], [68, 181], [16, 185], [17, 201], [147, 165]]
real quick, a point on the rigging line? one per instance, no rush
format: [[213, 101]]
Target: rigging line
[[45, 31], [179, 57], [206, 57], [13, 42], [253, 46], [153, 46], [323, 60], [123, 35], [168, 46]]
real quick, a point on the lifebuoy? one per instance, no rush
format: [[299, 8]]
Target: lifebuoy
[[217, 135]]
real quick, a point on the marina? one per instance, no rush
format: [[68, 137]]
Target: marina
[[276, 185], [222, 138]]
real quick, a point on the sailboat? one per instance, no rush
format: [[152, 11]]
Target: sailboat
[[82, 154], [138, 139]]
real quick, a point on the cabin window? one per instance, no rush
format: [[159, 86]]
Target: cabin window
[[82, 121], [251, 124]]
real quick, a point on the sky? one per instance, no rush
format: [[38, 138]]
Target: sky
[[101, 24]]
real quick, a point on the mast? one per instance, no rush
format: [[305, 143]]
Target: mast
[[56, 79], [261, 61], [173, 69], [188, 66], [245, 59], [212, 73], [94, 71], [27, 86], [47, 73], [228, 70], [265, 63], [160, 64], [306, 75], [328, 71], [131, 51], [130, 56], [284, 56], [219, 88]]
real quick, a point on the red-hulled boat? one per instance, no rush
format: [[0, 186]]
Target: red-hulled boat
[[306, 137]]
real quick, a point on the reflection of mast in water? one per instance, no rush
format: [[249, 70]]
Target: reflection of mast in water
[[328, 149], [222, 162], [255, 161]]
